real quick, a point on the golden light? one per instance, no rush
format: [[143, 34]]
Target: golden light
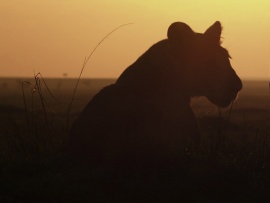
[[54, 37]]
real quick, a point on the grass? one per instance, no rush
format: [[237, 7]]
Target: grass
[[232, 162]]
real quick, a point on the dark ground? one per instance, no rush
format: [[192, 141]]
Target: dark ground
[[232, 163]]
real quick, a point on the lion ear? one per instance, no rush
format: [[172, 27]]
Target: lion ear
[[180, 33], [213, 33]]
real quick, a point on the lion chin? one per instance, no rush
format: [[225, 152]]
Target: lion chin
[[223, 102]]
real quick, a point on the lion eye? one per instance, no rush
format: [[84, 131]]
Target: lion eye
[[211, 66]]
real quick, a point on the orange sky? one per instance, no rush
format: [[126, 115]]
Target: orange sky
[[54, 36]]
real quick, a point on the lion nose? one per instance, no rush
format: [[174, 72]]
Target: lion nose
[[236, 84], [239, 84]]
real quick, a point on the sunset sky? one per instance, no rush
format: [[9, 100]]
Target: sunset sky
[[54, 36]]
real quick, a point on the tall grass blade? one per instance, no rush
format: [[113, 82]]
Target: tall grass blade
[[83, 67]]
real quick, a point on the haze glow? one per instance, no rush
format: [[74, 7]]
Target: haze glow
[[54, 36]]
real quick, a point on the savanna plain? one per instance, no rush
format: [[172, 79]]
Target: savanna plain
[[231, 164]]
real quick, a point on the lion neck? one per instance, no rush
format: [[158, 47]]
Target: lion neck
[[145, 78]]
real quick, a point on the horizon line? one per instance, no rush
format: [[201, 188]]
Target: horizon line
[[108, 78]]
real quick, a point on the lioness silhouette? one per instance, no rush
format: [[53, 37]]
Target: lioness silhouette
[[146, 115]]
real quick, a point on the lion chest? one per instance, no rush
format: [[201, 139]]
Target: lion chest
[[117, 122]]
